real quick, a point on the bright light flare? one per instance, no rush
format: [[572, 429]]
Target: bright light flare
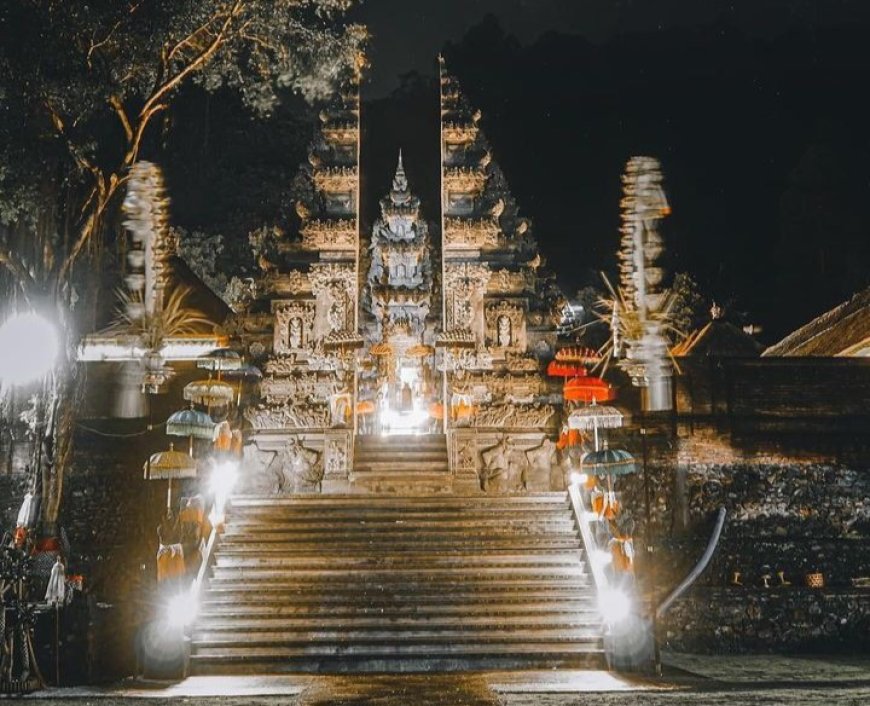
[[29, 348], [181, 609], [578, 478], [224, 475], [614, 605]]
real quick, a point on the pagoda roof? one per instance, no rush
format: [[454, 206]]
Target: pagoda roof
[[842, 331]]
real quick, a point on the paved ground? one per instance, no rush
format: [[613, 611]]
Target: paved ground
[[689, 679]]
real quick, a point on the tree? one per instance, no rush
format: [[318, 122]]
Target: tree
[[688, 307], [84, 88]]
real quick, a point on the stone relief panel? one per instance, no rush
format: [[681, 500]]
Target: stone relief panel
[[294, 325], [516, 462], [515, 416], [464, 285], [335, 288], [288, 416], [329, 235]]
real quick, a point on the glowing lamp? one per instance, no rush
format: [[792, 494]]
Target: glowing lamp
[[29, 348]]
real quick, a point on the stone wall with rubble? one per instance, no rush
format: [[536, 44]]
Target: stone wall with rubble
[[795, 483]]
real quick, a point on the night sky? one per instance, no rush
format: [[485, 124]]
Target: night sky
[[756, 110]]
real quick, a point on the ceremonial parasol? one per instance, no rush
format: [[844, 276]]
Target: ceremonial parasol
[[595, 417], [221, 360], [587, 389], [191, 423], [561, 369], [608, 462], [169, 465], [578, 354], [212, 393], [245, 372]]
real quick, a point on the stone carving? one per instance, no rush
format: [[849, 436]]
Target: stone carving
[[336, 179], [336, 463], [334, 286], [337, 234], [471, 233], [309, 387], [519, 363], [514, 416], [505, 326], [464, 285], [294, 323], [466, 359], [465, 180], [288, 416], [301, 469], [507, 282], [486, 386]]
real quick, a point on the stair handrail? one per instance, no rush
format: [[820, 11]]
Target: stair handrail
[[580, 515]]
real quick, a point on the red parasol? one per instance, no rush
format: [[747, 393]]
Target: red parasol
[[588, 389]]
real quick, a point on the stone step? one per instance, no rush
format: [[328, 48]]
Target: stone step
[[397, 582], [383, 584], [408, 636], [260, 548], [401, 440], [414, 468], [247, 622], [400, 573], [400, 457], [377, 562], [556, 606], [501, 645], [372, 501], [425, 596], [471, 660], [503, 522]]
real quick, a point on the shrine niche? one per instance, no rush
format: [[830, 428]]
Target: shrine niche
[[293, 326], [505, 326]]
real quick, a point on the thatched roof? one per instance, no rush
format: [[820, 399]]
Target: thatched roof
[[842, 331], [200, 297], [718, 339]]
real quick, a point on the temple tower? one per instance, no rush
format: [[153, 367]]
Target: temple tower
[[500, 311], [301, 322], [398, 300]]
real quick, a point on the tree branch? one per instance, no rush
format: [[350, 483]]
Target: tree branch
[[17, 269], [122, 116], [154, 103]]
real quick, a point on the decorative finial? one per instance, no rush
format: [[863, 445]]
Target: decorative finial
[[715, 312], [400, 181]]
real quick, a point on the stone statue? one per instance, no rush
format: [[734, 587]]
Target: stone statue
[[294, 334], [302, 470], [504, 331]]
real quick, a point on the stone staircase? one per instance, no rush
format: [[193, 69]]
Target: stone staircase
[[372, 583], [401, 464]]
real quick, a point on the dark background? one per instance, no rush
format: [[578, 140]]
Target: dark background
[[757, 110]]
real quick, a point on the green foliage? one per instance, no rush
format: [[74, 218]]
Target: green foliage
[[689, 308], [82, 84]]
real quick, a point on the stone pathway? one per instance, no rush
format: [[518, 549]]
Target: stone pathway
[[767, 680]]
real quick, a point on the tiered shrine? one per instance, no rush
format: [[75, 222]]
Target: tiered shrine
[[393, 335]]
